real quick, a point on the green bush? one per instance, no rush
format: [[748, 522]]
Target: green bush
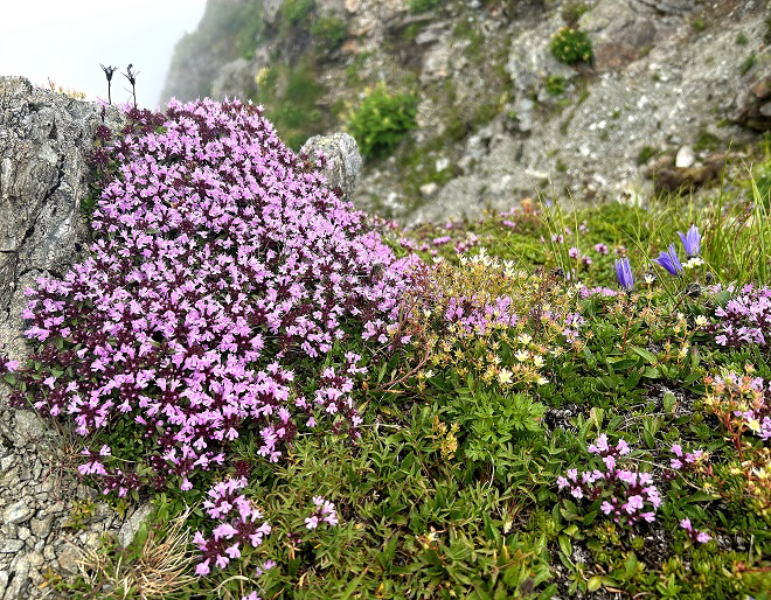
[[419, 6], [329, 32], [571, 46], [382, 120]]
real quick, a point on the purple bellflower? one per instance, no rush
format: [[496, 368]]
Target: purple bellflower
[[670, 261], [691, 241], [624, 274]]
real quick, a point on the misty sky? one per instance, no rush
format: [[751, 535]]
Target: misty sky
[[65, 40]]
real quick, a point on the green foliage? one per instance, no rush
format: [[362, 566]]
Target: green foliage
[[748, 63], [382, 121], [250, 28], [294, 12], [571, 46], [698, 24], [419, 6], [645, 154], [329, 32], [555, 85], [291, 96]]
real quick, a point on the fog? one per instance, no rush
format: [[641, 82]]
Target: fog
[[65, 40]]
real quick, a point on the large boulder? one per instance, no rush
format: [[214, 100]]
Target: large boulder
[[342, 161]]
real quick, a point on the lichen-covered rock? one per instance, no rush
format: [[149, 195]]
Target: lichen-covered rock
[[342, 160], [44, 140]]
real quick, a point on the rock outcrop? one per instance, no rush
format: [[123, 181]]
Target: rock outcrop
[[46, 514], [342, 161], [499, 117]]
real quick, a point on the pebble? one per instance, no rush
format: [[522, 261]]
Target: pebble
[[685, 158]]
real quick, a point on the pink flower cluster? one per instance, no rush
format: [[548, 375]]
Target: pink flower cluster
[[627, 495], [701, 537], [587, 292], [462, 245], [476, 317], [239, 525], [745, 320], [325, 512], [685, 460], [221, 263]]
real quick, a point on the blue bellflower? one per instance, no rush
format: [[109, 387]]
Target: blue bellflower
[[624, 274], [691, 241], [670, 261]]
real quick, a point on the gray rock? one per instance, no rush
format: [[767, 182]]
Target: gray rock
[[233, 80], [130, 528], [11, 546], [270, 10], [17, 512], [44, 139], [28, 426], [68, 559], [343, 160]]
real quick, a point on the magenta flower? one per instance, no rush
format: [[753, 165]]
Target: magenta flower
[[701, 537]]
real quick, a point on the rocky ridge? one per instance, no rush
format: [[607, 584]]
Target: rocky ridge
[[499, 117]]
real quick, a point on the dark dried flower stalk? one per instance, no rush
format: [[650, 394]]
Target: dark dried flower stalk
[[108, 73], [131, 75]]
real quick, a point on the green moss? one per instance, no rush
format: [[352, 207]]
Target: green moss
[[419, 6], [706, 141], [698, 24], [329, 32], [294, 12], [748, 63], [646, 153]]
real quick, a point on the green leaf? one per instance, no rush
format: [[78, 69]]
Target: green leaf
[[594, 584], [647, 355]]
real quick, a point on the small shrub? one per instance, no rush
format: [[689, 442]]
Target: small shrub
[[329, 32], [571, 46], [382, 121]]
